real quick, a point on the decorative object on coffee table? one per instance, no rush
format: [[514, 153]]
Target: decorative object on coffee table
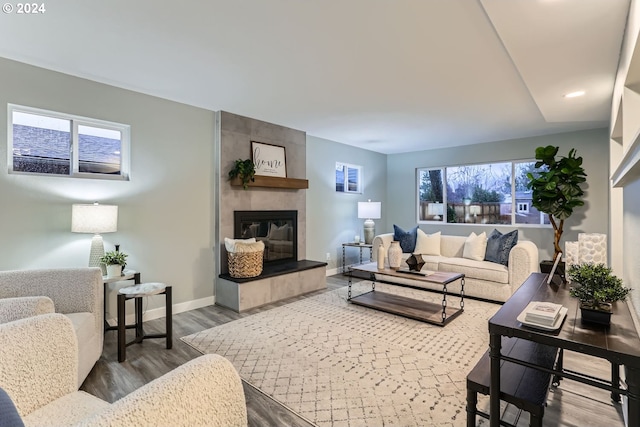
[[381, 256], [596, 288], [394, 255], [415, 262]]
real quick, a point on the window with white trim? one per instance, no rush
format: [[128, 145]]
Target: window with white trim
[[348, 178], [50, 143], [491, 193]]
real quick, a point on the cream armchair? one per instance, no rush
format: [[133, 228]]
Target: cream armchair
[[38, 370], [77, 293]]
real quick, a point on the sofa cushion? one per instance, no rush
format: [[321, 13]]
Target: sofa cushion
[[9, 416], [452, 246], [475, 246], [482, 270], [407, 239], [427, 244], [499, 245]]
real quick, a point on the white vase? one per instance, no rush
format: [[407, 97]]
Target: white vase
[[395, 255], [381, 255], [114, 270]]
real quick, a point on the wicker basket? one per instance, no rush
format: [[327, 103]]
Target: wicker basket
[[245, 264]]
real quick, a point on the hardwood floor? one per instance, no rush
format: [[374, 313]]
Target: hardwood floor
[[571, 405]]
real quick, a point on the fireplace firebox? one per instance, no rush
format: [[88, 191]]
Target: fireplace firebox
[[278, 230]]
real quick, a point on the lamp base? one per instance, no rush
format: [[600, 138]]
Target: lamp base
[[97, 251], [369, 231]]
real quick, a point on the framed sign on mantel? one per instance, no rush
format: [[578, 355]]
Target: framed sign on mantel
[[269, 160]]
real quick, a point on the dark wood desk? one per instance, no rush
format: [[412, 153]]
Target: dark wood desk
[[618, 343]]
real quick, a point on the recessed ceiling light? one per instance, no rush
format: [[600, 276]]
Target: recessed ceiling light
[[574, 94]]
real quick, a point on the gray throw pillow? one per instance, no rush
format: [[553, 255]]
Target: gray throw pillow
[[407, 239], [9, 416], [499, 245]]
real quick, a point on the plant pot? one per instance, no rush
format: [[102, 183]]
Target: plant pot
[[592, 315], [114, 270]]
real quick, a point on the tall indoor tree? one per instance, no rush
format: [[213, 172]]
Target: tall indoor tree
[[556, 187]]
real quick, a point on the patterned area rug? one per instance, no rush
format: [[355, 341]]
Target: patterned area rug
[[338, 364]]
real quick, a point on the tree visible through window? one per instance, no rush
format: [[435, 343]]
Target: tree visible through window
[[46, 142], [493, 193]]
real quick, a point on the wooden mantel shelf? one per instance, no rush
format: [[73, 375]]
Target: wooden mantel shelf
[[274, 182]]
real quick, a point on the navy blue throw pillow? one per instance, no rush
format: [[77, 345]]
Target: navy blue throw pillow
[[499, 245], [9, 416], [407, 239]]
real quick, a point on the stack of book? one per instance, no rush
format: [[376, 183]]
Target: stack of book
[[542, 313]]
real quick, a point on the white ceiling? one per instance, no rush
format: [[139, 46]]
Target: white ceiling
[[386, 75]]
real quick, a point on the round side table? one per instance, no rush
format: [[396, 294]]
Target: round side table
[[138, 292]]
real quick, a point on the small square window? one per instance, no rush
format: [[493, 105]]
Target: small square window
[[348, 178]]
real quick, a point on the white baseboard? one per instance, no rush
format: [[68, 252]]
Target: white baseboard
[[333, 271], [157, 313]]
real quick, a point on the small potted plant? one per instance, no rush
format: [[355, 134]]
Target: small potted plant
[[598, 288], [115, 262], [245, 170]]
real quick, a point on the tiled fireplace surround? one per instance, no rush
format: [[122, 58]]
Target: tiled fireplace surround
[[235, 134]]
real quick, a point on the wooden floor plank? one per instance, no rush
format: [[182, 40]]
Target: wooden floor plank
[[571, 405]]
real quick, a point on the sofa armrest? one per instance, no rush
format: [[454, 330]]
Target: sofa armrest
[[383, 240], [523, 260], [18, 308], [206, 391], [39, 360]]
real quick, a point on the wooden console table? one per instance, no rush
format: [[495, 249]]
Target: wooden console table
[[425, 311], [619, 343]]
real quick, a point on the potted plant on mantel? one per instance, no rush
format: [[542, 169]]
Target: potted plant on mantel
[[115, 262], [598, 288], [556, 191], [245, 170]]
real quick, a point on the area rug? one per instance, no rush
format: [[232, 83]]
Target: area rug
[[338, 364]]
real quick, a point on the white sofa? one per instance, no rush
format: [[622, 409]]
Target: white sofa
[[38, 371], [483, 279], [78, 293]]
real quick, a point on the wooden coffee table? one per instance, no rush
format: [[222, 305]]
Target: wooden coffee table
[[425, 311]]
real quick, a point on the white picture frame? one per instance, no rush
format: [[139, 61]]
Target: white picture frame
[[269, 159]]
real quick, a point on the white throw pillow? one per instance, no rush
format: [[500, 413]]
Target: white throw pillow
[[475, 246], [427, 244]]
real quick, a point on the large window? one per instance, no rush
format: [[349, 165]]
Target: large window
[[348, 178], [46, 142], [493, 193]]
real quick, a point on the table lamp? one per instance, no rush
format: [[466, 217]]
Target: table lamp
[[95, 219], [369, 210]]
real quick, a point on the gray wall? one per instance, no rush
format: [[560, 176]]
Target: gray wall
[[165, 215], [332, 217], [592, 218]]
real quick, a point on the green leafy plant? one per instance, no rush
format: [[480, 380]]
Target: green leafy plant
[[245, 170], [556, 188], [113, 258], [598, 286]]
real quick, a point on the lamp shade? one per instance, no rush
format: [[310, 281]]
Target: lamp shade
[[94, 218], [369, 210]]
